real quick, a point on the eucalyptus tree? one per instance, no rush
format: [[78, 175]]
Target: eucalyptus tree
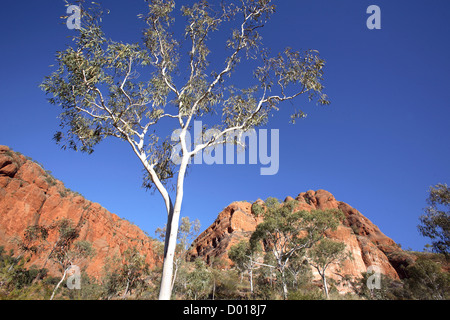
[[435, 223], [245, 259], [66, 252], [135, 91], [187, 232], [326, 253], [287, 233]]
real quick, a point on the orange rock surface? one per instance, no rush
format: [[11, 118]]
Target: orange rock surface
[[29, 195]]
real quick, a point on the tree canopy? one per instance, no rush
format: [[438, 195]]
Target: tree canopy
[[287, 231], [435, 223], [109, 88]]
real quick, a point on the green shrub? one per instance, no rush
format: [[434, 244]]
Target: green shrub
[[306, 294]]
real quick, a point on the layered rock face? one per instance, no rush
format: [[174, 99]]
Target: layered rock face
[[29, 196], [367, 244]]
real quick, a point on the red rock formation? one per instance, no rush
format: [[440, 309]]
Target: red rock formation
[[367, 244], [29, 195]]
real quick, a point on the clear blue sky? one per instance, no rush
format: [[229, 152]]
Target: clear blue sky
[[379, 146]]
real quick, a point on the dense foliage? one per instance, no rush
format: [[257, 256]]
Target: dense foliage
[[435, 223]]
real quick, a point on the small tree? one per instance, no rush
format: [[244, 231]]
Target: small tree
[[65, 251], [435, 224], [300, 271], [133, 270], [199, 282], [286, 231], [126, 273], [245, 259], [97, 86], [32, 242], [16, 280], [80, 250], [187, 233], [324, 254], [33, 239], [427, 281]]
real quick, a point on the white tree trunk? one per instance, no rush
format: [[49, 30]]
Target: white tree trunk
[[169, 252], [285, 289], [251, 280], [174, 277], [171, 235], [325, 286], [59, 283]]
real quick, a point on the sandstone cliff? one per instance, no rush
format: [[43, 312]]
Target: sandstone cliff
[[29, 195], [367, 244]]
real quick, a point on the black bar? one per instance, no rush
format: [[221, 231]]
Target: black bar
[[233, 309]]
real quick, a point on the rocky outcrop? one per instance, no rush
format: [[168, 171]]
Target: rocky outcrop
[[29, 195], [234, 223], [367, 244]]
